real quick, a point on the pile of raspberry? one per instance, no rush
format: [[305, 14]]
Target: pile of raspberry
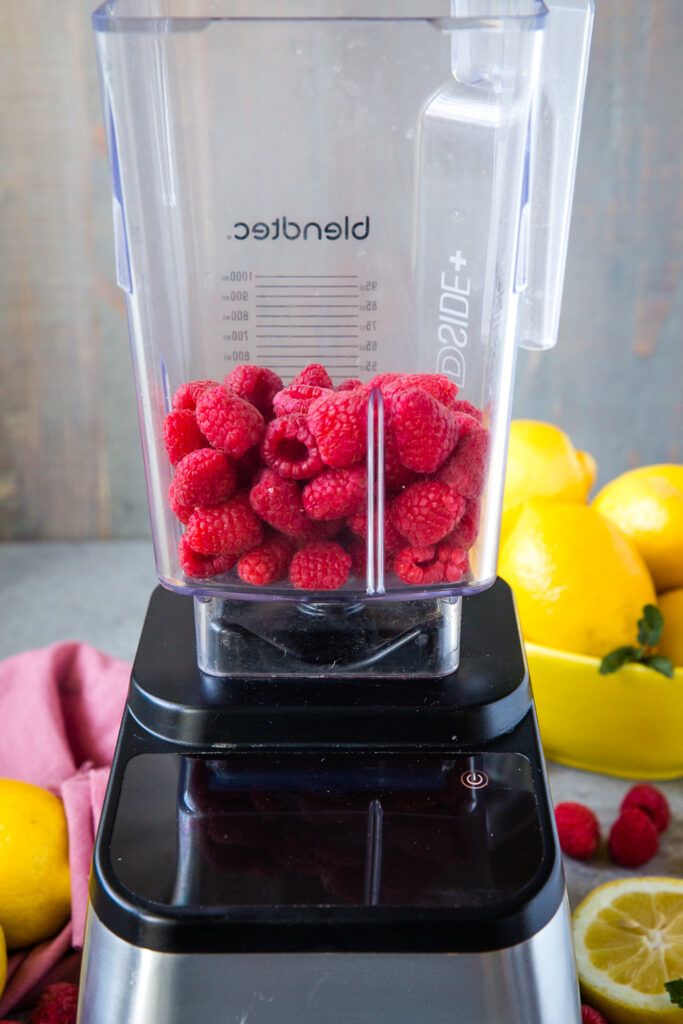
[[272, 480]]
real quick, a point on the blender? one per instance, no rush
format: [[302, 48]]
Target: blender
[[334, 224]]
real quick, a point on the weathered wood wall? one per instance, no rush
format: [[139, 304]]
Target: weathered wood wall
[[70, 463]]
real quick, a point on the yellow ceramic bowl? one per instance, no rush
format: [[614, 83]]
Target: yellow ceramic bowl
[[626, 724]]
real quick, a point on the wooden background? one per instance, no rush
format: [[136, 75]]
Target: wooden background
[[70, 463]]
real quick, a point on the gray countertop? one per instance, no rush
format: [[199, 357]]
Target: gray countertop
[[97, 592]]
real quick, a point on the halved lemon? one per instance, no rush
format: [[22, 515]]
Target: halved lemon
[[628, 937]]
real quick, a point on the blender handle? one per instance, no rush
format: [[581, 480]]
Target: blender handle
[[544, 222]]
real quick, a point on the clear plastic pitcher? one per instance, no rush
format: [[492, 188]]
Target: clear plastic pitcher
[[334, 224]]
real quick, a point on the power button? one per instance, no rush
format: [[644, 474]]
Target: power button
[[474, 779]]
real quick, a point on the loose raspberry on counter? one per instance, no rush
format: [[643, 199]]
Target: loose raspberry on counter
[[465, 471], [591, 1016], [187, 394], [338, 421], [633, 838], [229, 422], [297, 398], [333, 493], [314, 374], [424, 429], [578, 830], [57, 1004], [255, 384], [182, 435], [426, 512], [651, 800], [204, 477], [320, 565], [266, 563], [230, 527], [278, 502], [181, 512], [288, 447], [200, 566]]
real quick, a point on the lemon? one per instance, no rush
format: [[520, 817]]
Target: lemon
[[647, 505], [671, 642], [35, 899], [580, 584], [543, 463], [628, 937]]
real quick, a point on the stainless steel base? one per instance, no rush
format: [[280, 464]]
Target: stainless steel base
[[531, 983]]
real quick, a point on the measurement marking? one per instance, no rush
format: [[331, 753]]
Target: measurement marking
[[309, 337], [308, 316], [305, 348], [288, 277], [304, 305], [354, 286]]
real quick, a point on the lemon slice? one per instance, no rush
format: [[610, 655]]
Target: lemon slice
[[628, 937]]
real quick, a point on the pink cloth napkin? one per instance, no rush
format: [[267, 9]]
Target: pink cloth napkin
[[60, 710]]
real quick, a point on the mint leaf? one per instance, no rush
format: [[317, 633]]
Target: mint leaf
[[660, 664], [615, 659], [650, 626], [675, 990]]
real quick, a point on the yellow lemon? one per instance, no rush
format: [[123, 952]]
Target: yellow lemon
[[580, 584], [671, 642], [647, 505], [543, 463], [628, 937], [35, 899]]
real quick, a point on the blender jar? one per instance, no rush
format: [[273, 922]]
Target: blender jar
[[333, 225]]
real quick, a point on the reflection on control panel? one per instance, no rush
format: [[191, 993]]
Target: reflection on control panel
[[312, 829]]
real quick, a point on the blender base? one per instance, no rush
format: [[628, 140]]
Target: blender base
[[321, 851]]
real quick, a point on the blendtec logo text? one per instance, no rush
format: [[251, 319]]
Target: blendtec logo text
[[312, 230]]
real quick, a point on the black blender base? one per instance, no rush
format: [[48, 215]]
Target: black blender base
[[325, 859]]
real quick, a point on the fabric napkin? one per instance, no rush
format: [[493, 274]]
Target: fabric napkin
[[60, 711]]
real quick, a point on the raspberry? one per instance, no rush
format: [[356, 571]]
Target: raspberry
[[57, 1004], [230, 527], [591, 1016], [358, 551], [200, 566], [320, 565], [296, 398], [228, 422], [278, 502], [182, 512], [204, 477], [651, 800], [424, 429], [396, 476], [470, 410], [633, 838], [578, 830], [182, 435], [187, 394], [266, 563], [429, 564], [333, 493], [434, 384], [255, 384], [465, 533], [248, 466], [349, 385], [289, 448], [465, 471], [425, 512], [338, 421], [314, 374], [465, 423], [393, 540]]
